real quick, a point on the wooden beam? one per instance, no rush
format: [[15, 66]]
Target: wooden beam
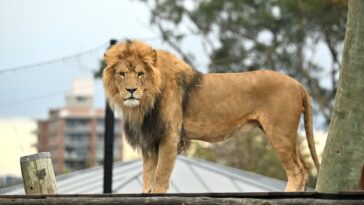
[[188, 199]]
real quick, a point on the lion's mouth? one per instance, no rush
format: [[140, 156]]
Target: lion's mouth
[[130, 98], [131, 101]]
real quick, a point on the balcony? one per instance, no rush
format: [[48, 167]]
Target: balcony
[[75, 156], [78, 129], [77, 143]]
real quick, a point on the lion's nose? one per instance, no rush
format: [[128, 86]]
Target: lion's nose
[[131, 90]]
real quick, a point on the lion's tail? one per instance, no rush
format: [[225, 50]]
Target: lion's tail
[[309, 128]]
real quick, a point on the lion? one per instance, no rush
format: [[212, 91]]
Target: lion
[[165, 104]]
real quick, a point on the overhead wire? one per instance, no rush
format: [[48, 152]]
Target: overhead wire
[[65, 58], [53, 61], [40, 97], [21, 101]]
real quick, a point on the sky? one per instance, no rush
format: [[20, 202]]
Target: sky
[[37, 31]]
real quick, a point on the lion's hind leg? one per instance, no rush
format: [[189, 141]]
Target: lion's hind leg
[[291, 160], [284, 145], [302, 164]]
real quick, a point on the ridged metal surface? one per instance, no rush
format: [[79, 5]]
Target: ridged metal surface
[[189, 176]]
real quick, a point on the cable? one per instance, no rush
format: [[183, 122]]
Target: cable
[[63, 92], [25, 67], [22, 101], [17, 102], [77, 55]]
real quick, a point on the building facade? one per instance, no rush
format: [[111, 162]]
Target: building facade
[[74, 134], [18, 138]]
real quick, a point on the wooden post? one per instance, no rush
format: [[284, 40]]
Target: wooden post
[[38, 174]]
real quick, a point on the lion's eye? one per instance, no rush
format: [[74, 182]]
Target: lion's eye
[[122, 74], [140, 74]]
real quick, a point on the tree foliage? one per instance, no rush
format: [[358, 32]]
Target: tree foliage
[[244, 35]]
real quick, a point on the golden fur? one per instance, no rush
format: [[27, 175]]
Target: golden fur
[[164, 103]]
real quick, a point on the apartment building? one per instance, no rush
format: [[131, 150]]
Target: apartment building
[[74, 134]]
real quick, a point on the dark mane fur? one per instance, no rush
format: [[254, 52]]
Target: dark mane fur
[[187, 88], [147, 136]]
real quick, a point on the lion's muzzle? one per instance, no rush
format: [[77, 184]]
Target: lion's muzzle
[[131, 102], [132, 98], [131, 90]]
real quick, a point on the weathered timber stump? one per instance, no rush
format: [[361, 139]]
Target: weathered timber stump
[[38, 174]]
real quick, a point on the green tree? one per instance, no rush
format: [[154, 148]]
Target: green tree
[[343, 156], [243, 35]]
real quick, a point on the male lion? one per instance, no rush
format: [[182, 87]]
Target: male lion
[[165, 103]]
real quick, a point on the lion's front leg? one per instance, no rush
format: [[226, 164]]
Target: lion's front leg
[[149, 165], [166, 159]]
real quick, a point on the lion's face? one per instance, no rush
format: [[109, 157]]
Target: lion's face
[[131, 79]]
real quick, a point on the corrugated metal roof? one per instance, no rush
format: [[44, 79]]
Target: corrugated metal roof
[[189, 176]]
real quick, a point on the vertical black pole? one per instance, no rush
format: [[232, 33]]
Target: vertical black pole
[[108, 144]]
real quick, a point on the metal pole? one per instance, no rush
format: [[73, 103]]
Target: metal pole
[[108, 144]]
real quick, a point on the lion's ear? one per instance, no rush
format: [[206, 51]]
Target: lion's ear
[[151, 57], [154, 56]]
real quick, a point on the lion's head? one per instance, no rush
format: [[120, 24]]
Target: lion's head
[[131, 80]]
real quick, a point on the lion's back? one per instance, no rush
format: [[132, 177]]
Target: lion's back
[[246, 82], [229, 93]]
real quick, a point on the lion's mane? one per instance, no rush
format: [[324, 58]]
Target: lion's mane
[[145, 125]]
